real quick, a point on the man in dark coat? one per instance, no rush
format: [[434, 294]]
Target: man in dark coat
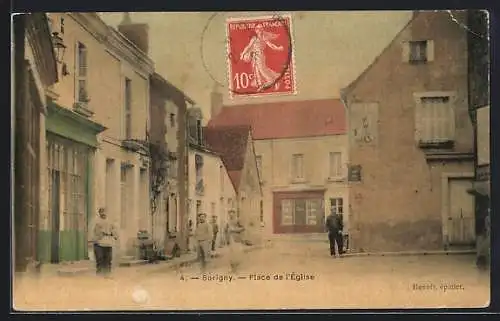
[[334, 226]]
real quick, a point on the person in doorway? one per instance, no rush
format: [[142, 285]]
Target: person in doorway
[[215, 230], [104, 237], [203, 236], [235, 241], [334, 227]]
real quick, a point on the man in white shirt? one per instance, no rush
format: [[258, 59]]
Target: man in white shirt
[[104, 237]]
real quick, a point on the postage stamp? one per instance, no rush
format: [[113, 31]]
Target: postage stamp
[[260, 56]]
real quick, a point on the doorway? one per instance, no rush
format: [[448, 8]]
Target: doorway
[[461, 218], [56, 216]]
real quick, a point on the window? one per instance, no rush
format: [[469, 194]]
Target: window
[[337, 205], [124, 177], [258, 160], [313, 211], [435, 123], [67, 166], [199, 132], [200, 186], [81, 74], [261, 211], [301, 212], [221, 178], [335, 165], [297, 167], [287, 217], [172, 120], [212, 209], [418, 52], [128, 108], [173, 168]]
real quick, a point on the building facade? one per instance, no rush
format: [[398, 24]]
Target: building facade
[[411, 141], [95, 134], [35, 71], [210, 188], [235, 146], [479, 108], [167, 134], [301, 156]]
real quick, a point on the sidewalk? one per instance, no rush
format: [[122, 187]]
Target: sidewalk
[[88, 266]]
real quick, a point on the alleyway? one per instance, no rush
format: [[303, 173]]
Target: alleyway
[[350, 282]]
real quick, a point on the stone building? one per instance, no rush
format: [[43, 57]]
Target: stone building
[[411, 141], [210, 188], [301, 156], [168, 179], [479, 107], [35, 70], [94, 134], [234, 145]]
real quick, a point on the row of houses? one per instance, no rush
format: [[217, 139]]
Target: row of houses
[[403, 155], [399, 155], [97, 126]]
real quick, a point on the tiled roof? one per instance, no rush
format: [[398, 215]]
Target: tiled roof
[[230, 142], [291, 119]]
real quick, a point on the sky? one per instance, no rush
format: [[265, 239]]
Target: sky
[[330, 48]]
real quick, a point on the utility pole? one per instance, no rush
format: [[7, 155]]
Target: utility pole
[[21, 230]]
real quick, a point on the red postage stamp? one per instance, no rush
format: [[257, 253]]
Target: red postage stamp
[[260, 56]]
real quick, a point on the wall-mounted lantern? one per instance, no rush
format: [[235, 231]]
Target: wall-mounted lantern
[[60, 49]]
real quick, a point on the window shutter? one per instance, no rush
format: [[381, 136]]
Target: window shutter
[[75, 73], [451, 119], [418, 120], [405, 47], [430, 50]]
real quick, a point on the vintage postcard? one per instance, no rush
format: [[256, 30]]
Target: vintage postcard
[[182, 161]]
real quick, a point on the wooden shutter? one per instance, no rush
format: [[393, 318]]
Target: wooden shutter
[[430, 50], [405, 51]]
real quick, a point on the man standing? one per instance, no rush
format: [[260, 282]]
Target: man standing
[[334, 226], [215, 230], [104, 236], [203, 236]]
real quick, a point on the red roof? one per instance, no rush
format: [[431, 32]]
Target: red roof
[[286, 119], [230, 142]]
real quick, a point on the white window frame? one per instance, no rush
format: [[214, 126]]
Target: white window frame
[[406, 51], [424, 123], [127, 108], [78, 76], [338, 173], [297, 169]]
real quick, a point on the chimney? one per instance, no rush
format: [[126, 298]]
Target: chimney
[[215, 102], [137, 33]]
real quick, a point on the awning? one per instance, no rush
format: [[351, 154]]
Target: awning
[[480, 188]]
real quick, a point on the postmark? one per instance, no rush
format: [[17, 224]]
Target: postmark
[[260, 56]]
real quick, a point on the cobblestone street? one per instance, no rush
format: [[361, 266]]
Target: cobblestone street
[[315, 280]]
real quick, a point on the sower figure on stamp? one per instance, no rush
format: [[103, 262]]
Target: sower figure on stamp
[[203, 236], [215, 230], [104, 237], [235, 241], [334, 226]]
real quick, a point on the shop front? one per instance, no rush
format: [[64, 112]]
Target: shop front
[[299, 212], [70, 145]]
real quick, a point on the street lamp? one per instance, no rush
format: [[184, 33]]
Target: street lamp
[[59, 46]]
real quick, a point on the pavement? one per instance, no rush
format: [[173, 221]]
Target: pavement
[[281, 276]]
